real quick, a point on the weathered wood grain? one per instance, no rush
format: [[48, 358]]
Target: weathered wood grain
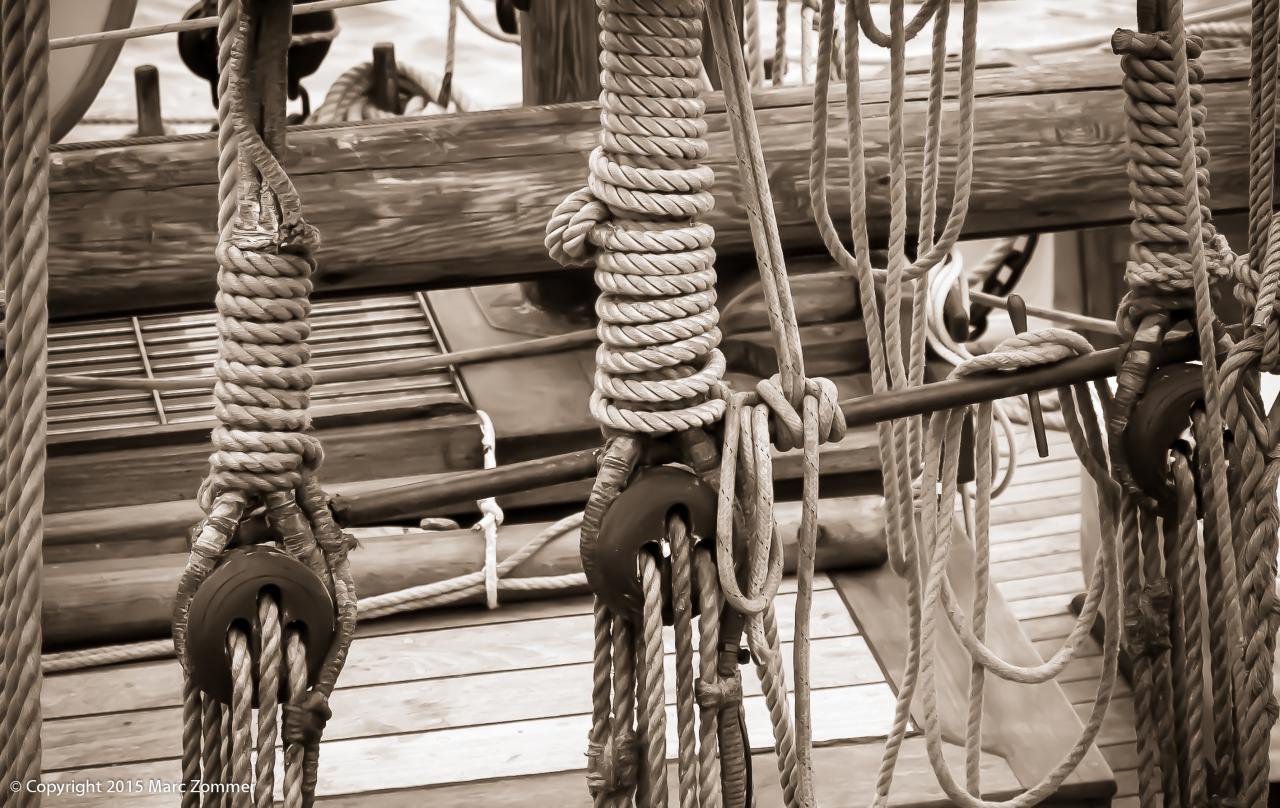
[[459, 200]]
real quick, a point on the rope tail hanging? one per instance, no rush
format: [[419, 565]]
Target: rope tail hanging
[[242, 644], [24, 139]]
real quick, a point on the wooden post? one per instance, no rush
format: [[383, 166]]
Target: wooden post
[[560, 59], [146, 84], [386, 78]]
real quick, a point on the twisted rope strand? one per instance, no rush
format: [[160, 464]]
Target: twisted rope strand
[[24, 130]]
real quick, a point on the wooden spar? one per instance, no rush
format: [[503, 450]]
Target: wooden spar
[[457, 200], [118, 600]]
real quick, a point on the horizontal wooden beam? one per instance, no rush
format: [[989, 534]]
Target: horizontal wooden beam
[[463, 199], [118, 600]]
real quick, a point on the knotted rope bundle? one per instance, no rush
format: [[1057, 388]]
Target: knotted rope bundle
[[658, 372], [923, 544], [264, 454]]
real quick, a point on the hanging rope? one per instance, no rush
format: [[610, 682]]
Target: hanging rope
[[24, 188], [263, 451]]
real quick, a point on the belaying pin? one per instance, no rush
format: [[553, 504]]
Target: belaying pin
[[229, 597], [635, 523], [1160, 417]]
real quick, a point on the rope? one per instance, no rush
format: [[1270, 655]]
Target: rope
[[490, 514], [637, 221], [263, 452], [426, 596], [421, 93], [24, 140]]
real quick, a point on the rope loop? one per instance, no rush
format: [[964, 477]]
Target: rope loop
[[637, 222], [264, 455]]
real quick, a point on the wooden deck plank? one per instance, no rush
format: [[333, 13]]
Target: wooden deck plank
[[845, 776], [513, 749], [486, 648], [1030, 726], [424, 705]]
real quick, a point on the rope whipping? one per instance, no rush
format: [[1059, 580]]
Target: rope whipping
[[24, 195], [263, 453]]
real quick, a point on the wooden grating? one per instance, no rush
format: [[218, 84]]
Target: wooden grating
[[345, 333]]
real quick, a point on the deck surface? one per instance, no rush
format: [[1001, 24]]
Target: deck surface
[[467, 696]]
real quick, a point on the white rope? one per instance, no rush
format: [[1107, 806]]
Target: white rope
[[491, 514]]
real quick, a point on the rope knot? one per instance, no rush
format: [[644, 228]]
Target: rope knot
[[612, 766], [304, 722], [718, 693], [788, 422], [568, 238], [1043, 346]]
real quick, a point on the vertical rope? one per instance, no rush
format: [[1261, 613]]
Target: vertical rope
[[678, 537], [270, 663], [710, 698], [295, 660], [191, 712], [652, 711], [241, 717], [1191, 706], [24, 130]]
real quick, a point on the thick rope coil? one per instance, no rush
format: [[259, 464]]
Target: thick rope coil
[[658, 365], [1158, 272], [421, 93], [24, 188]]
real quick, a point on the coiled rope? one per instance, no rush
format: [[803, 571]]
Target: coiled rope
[[350, 96], [24, 196]]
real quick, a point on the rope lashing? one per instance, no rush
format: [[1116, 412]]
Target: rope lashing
[[490, 514], [263, 451], [24, 195]]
